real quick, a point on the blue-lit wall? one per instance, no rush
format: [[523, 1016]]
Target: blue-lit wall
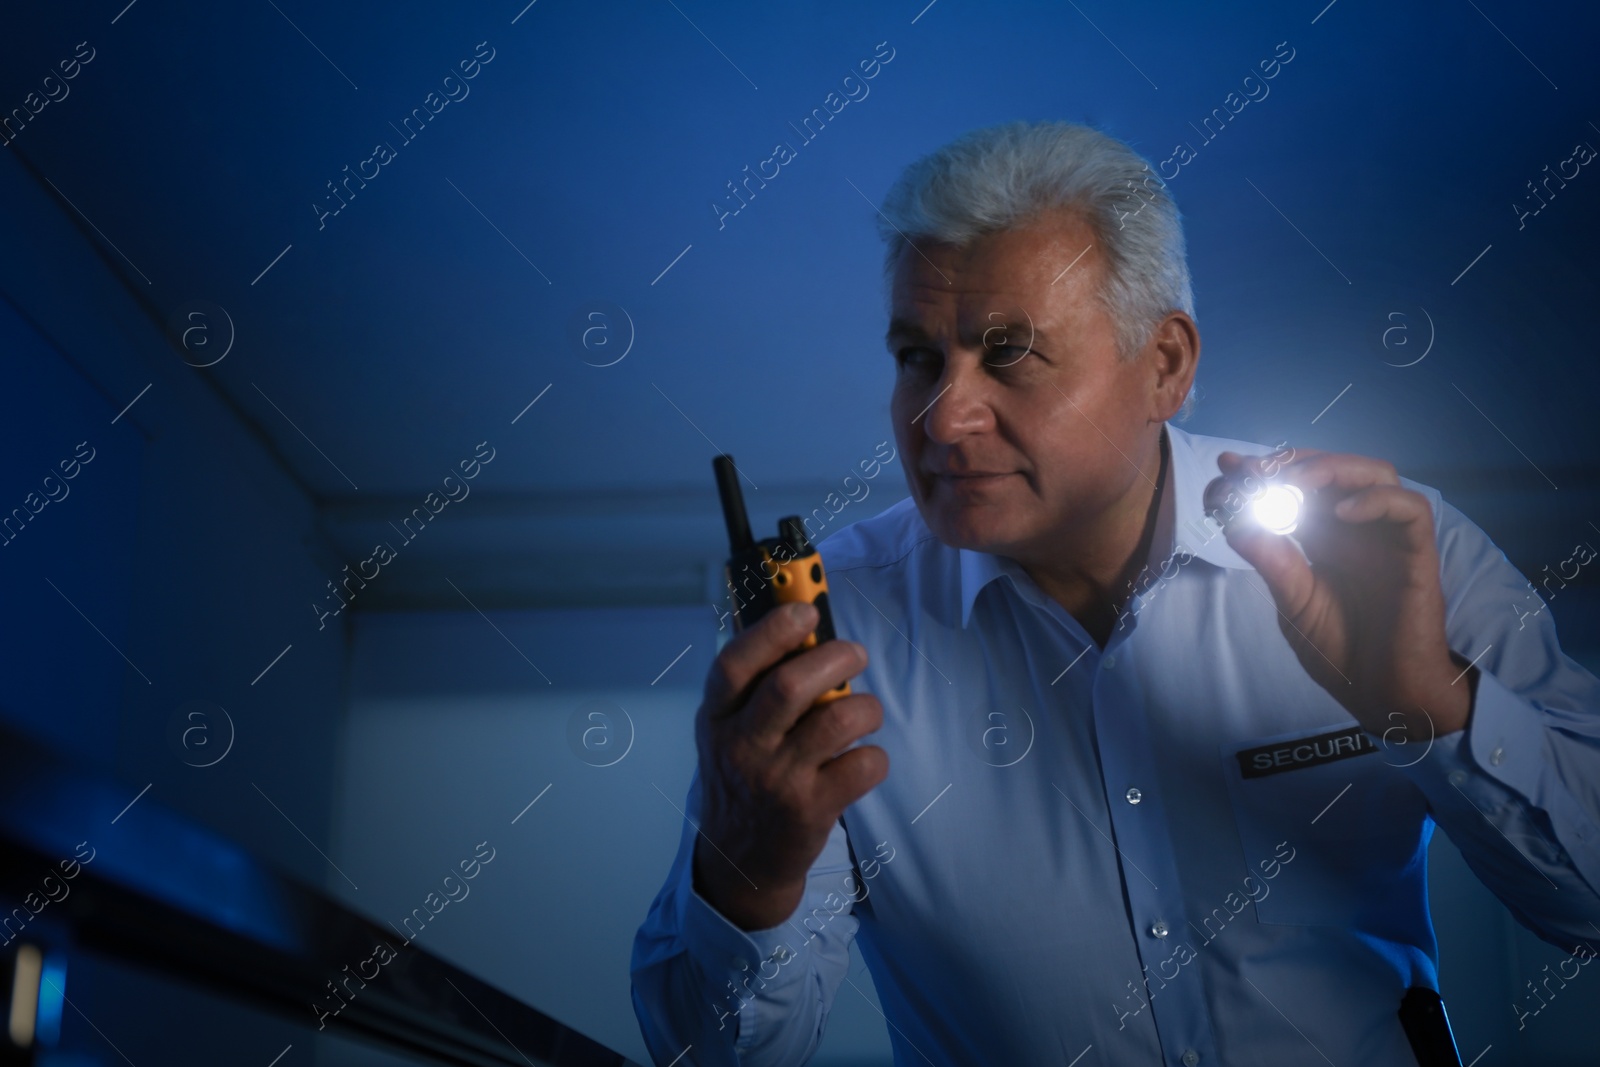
[[150, 583], [138, 586]]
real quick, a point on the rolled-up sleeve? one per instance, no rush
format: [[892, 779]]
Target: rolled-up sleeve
[[707, 991]]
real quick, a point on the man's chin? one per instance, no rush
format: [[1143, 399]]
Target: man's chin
[[979, 529]]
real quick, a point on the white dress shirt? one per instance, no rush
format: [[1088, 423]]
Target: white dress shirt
[[1177, 849]]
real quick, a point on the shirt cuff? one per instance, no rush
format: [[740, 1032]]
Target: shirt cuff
[[742, 964], [1501, 761], [719, 943], [1506, 739], [1502, 745]]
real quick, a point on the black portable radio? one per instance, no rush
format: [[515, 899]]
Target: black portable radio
[[762, 575]]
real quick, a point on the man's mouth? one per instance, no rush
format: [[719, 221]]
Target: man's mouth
[[972, 479]]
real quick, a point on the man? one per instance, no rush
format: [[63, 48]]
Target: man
[[1140, 785]]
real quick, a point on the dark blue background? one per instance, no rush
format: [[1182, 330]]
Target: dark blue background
[[579, 174]]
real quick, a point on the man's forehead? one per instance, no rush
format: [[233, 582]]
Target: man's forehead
[[969, 287], [1032, 286], [983, 309], [1027, 255]]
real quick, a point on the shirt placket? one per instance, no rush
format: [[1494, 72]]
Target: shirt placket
[[1142, 836]]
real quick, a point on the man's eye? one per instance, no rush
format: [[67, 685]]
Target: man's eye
[[916, 358], [1006, 355]]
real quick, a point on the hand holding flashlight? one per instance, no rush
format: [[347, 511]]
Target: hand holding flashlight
[[1356, 585]]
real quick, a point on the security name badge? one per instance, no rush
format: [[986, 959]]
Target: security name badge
[[1303, 752]]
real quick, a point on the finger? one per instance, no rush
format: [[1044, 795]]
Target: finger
[[1266, 465], [1236, 463], [827, 729], [1279, 562], [792, 688], [738, 667], [1393, 504], [1338, 471], [848, 777]]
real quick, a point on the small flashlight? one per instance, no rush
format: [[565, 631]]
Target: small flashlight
[[1275, 506]]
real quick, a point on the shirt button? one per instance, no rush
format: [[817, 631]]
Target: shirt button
[[1458, 777], [1497, 755], [1109, 662], [1158, 928], [1134, 796], [1190, 1057]]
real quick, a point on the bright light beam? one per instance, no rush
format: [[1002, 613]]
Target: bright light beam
[[1277, 509]]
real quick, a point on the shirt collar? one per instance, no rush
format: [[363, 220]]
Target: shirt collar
[[1182, 526]]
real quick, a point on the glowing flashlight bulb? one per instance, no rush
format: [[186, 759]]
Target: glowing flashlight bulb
[[1277, 509]]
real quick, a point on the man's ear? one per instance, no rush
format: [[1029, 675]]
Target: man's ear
[[1172, 354]]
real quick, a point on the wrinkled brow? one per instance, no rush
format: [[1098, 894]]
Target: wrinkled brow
[[1001, 332]]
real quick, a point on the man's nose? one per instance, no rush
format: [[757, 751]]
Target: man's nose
[[961, 402]]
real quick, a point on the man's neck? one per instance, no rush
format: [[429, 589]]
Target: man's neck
[[1093, 576]]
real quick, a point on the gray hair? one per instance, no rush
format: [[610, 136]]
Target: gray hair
[[999, 177]]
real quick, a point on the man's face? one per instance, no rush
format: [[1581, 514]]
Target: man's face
[[1015, 418]]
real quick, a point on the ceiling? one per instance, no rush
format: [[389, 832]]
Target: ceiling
[[574, 174]]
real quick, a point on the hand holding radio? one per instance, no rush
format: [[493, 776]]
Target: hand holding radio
[[771, 779], [772, 730]]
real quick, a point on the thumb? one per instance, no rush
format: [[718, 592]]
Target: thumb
[[1278, 560], [738, 668]]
